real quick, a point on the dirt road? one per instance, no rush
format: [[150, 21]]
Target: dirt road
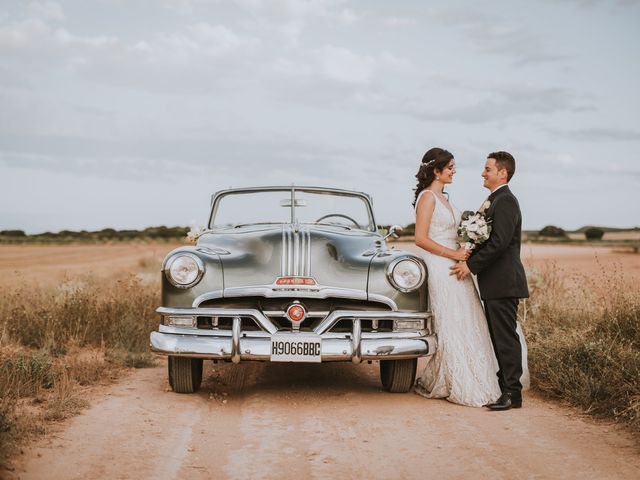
[[283, 421]]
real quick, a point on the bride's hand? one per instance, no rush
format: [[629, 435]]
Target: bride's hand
[[461, 255]]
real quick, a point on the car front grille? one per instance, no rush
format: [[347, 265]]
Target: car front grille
[[283, 324], [274, 308]]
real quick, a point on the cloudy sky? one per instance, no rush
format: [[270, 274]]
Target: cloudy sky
[[128, 114]]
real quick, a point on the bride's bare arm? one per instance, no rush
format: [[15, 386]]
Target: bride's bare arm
[[424, 212]]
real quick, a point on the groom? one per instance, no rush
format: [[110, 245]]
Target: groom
[[501, 276]]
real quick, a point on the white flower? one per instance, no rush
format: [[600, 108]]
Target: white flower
[[472, 228], [195, 232], [485, 205]]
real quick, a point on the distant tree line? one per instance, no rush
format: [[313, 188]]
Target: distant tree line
[[549, 232], [106, 234], [590, 233]]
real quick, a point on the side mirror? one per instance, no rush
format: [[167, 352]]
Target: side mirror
[[393, 231]]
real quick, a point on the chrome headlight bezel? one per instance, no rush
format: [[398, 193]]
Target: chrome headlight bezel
[[176, 256], [391, 267]]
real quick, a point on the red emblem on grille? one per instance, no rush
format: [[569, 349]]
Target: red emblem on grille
[[296, 313], [295, 281]]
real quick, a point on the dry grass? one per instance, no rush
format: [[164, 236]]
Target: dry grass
[[56, 340], [583, 333]]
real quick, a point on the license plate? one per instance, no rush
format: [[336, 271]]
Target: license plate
[[296, 348]]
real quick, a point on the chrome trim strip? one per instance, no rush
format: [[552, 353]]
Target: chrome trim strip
[[374, 297], [236, 331], [308, 263], [282, 313], [212, 251], [191, 332], [356, 340], [296, 253], [338, 315], [301, 291], [283, 260], [289, 250], [207, 296], [258, 316]]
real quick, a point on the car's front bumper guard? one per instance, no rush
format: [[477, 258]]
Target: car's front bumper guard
[[237, 345]]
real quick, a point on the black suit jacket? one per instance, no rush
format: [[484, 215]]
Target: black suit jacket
[[497, 261]]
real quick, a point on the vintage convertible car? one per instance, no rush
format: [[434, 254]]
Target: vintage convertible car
[[293, 274]]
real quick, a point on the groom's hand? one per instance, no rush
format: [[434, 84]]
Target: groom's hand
[[460, 270]]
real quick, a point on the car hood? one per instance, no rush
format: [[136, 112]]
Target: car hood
[[258, 255]]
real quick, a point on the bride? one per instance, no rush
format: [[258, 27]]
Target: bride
[[463, 369]]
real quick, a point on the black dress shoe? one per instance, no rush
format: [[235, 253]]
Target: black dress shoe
[[505, 402], [495, 402]]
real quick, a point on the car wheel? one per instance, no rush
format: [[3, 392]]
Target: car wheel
[[398, 375], [185, 374]]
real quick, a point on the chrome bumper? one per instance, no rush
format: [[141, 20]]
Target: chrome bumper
[[237, 345]]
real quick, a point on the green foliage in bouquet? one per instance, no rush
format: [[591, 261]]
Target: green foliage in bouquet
[[474, 229]]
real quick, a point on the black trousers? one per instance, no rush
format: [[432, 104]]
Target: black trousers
[[501, 316]]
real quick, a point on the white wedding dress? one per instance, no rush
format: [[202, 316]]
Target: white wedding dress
[[463, 369]]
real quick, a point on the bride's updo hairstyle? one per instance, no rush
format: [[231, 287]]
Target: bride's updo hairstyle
[[435, 159]]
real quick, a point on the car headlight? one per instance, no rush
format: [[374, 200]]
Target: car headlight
[[184, 270], [406, 274]]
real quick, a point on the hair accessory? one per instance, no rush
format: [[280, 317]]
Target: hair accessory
[[430, 162]]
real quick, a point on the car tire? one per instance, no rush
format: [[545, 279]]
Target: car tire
[[185, 374], [398, 376]]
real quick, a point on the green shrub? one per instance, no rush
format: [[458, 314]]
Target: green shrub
[[13, 233], [552, 231], [594, 233]]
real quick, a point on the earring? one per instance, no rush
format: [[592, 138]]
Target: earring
[[438, 177]]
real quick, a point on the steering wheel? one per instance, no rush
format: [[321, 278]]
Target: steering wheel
[[341, 215]]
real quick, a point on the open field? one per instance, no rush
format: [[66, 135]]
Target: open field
[[46, 264], [51, 263], [309, 421]]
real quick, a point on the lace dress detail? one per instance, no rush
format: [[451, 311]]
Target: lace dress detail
[[463, 369]]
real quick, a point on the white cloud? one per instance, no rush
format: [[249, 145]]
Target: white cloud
[[23, 34], [291, 18], [65, 39], [524, 47], [296, 9], [195, 42], [598, 134], [342, 65], [47, 9], [334, 71], [399, 22]]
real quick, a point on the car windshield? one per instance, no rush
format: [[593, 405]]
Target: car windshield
[[342, 209]]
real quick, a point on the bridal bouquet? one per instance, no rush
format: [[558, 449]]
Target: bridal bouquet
[[474, 229]]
